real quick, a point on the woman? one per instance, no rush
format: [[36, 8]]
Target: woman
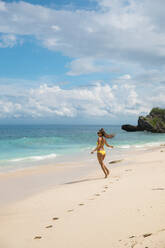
[[100, 149]]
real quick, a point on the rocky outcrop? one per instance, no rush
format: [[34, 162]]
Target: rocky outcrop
[[131, 128], [154, 122]]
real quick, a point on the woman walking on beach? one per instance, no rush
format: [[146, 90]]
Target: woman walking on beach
[[100, 149]]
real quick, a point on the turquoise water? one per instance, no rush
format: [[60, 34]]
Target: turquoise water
[[41, 142]]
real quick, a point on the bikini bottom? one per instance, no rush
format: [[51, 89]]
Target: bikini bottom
[[102, 152]]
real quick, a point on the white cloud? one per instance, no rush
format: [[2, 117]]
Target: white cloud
[[119, 31], [8, 40], [117, 37], [100, 100], [126, 76], [84, 66], [120, 98], [8, 108]]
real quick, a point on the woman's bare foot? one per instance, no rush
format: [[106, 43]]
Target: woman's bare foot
[[107, 174]]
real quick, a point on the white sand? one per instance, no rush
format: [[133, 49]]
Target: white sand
[[115, 212]]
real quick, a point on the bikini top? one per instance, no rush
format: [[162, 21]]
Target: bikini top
[[97, 142]]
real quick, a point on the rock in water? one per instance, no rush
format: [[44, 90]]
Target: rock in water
[[154, 122], [131, 128]]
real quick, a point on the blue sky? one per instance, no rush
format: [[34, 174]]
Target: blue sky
[[62, 4], [81, 61]]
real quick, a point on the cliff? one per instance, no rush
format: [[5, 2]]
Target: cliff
[[154, 122]]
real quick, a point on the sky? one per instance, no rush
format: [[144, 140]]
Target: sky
[[81, 61]]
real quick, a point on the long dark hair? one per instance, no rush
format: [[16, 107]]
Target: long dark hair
[[104, 134]]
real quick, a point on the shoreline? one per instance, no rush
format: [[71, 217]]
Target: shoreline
[[22, 163], [32, 180], [29, 181], [124, 210]]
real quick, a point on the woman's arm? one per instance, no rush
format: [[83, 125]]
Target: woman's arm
[[94, 150], [108, 144]]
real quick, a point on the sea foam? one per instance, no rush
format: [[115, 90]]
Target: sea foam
[[34, 158]]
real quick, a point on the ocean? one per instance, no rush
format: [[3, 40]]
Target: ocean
[[27, 145]]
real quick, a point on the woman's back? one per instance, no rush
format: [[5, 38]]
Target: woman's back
[[101, 142]]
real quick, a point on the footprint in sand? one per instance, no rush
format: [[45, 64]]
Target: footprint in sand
[[70, 210], [97, 194], [81, 204], [55, 218], [131, 237], [158, 189], [37, 237], [92, 199], [162, 230], [147, 235], [134, 243], [106, 187], [103, 191], [49, 226]]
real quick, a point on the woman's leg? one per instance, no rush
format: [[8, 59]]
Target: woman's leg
[[100, 158], [105, 166]]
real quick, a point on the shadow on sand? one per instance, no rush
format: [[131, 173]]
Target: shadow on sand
[[85, 180]]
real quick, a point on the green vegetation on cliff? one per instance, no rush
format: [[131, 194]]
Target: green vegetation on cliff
[[158, 112], [157, 118]]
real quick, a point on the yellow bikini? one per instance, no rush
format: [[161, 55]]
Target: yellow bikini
[[103, 152]]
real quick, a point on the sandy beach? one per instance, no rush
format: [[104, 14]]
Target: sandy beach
[[125, 210], [82, 84]]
